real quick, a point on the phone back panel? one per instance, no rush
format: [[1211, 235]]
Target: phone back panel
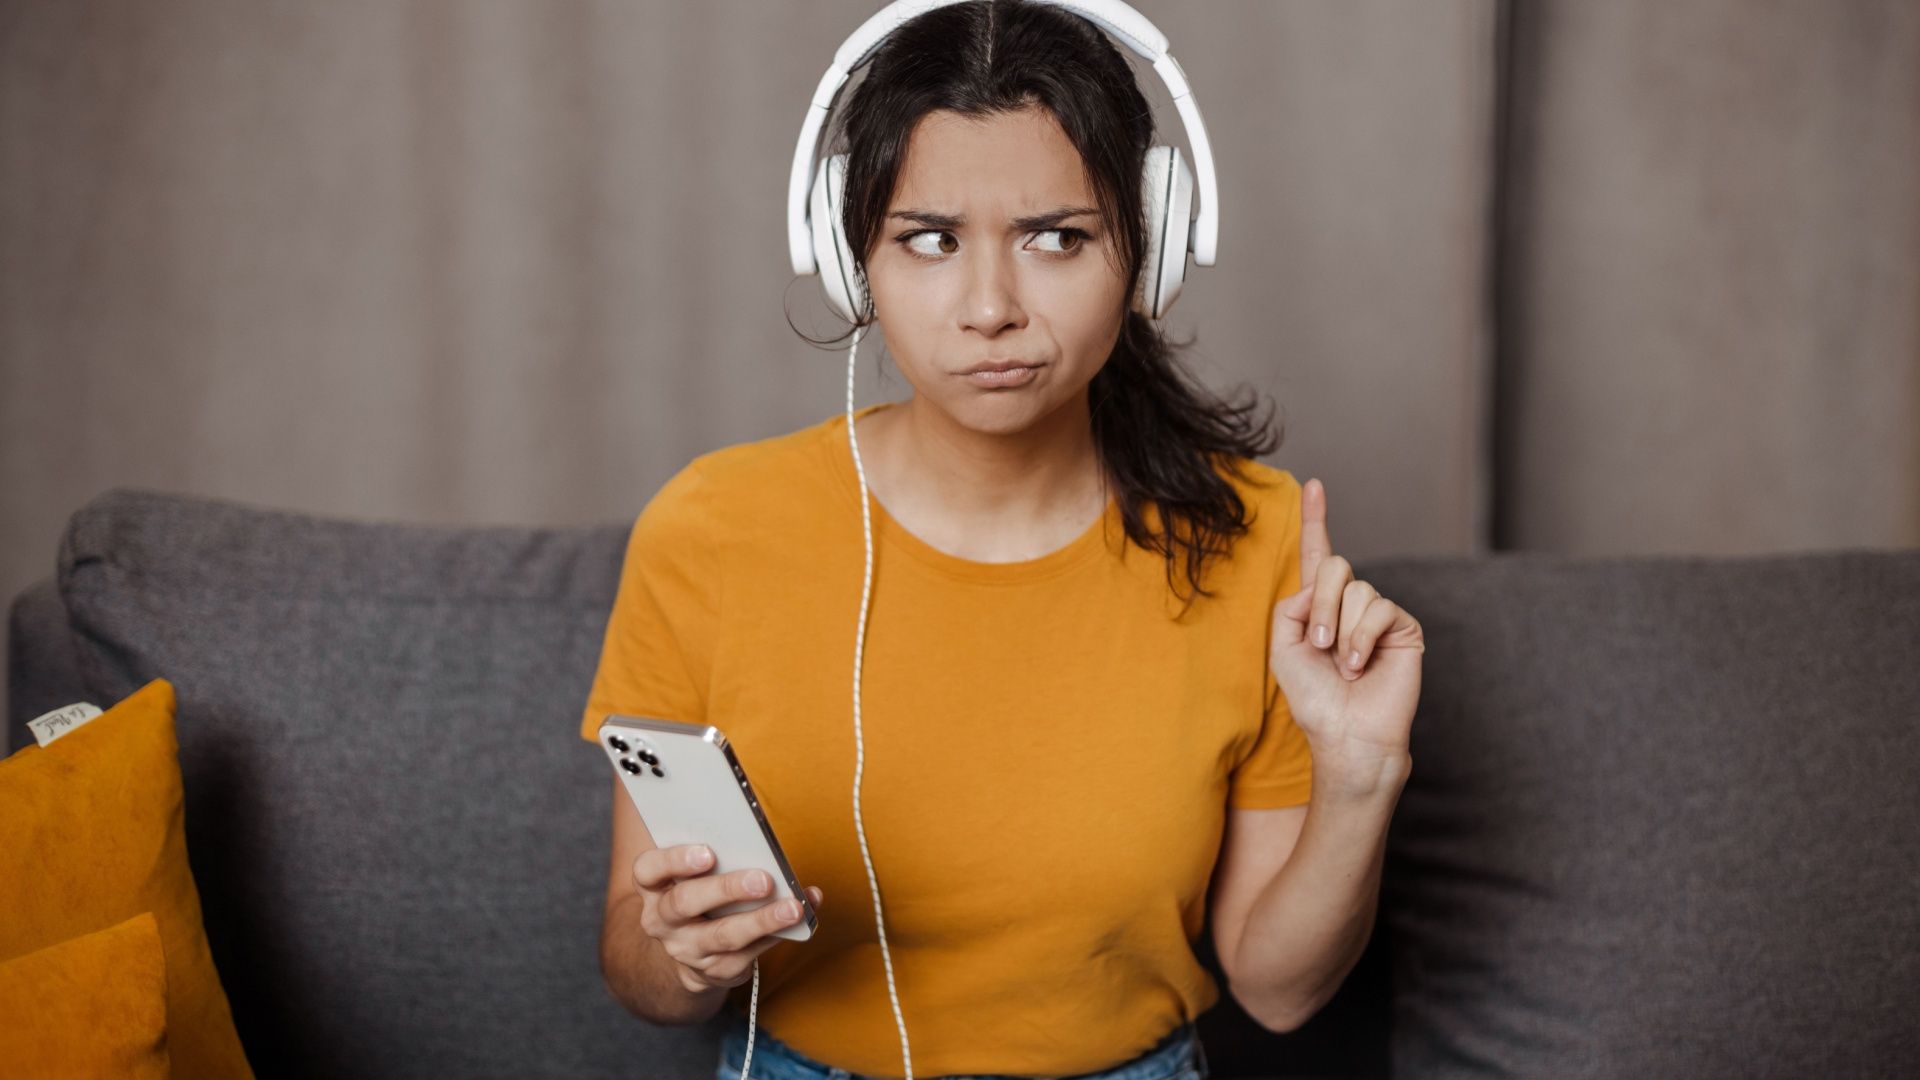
[[694, 791]]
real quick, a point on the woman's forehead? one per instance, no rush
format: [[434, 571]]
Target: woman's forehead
[[991, 168]]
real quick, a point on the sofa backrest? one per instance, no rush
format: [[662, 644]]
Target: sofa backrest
[[1663, 817]]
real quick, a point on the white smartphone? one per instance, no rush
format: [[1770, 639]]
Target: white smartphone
[[690, 789]]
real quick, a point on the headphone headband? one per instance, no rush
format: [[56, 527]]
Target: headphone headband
[[1118, 19]]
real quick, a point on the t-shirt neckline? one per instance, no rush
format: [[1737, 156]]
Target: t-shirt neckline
[[1079, 550]]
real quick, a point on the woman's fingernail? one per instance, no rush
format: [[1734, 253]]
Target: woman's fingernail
[[1322, 636], [1353, 659], [789, 909]]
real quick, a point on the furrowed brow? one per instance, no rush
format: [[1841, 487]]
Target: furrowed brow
[[1048, 220]]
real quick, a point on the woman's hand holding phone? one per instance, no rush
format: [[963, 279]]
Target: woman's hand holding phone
[[676, 893]]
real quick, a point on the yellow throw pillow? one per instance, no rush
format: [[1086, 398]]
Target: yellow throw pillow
[[95, 833], [92, 1006]]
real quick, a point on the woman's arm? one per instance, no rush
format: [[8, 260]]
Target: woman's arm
[[1348, 661], [1308, 926], [640, 975]]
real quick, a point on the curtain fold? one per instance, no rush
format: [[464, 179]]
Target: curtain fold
[[1709, 313]]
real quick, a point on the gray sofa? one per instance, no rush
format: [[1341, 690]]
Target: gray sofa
[[1664, 818]]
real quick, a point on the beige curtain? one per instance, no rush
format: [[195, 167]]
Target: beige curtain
[[1573, 277], [1709, 277]]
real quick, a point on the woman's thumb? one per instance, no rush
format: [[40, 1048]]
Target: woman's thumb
[[1290, 624], [1299, 604]]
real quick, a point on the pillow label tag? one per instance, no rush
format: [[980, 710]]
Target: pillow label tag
[[52, 725]]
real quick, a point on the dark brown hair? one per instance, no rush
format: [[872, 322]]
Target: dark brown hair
[[1160, 435]]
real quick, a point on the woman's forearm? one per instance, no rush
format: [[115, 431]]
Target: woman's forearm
[[1308, 928], [641, 976]]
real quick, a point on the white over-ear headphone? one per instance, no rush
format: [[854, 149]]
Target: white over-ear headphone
[[816, 240], [816, 237]]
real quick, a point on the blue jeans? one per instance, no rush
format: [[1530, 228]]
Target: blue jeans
[[1178, 1056]]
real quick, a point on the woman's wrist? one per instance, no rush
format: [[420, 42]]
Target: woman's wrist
[[1360, 774]]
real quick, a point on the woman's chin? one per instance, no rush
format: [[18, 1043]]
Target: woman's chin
[[1000, 412]]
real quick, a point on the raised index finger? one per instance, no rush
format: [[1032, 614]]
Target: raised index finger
[[1314, 542]]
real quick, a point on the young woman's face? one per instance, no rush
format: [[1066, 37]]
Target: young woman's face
[[958, 278]]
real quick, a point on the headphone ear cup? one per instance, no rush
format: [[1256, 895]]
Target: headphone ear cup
[[1167, 192], [832, 255]]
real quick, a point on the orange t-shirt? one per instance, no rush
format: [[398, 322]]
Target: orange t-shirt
[[1049, 756]]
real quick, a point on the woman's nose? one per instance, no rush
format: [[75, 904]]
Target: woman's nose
[[992, 302]]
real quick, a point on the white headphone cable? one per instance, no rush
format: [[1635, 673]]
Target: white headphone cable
[[859, 744]]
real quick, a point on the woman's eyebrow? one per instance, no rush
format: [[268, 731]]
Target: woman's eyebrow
[[954, 221]]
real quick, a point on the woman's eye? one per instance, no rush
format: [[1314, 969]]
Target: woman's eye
[[1075, 235], [944, 246]]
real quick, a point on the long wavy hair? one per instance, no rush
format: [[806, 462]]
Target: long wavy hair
[[1161, 436]]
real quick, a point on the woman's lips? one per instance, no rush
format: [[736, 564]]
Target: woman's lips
[[1018, 376]]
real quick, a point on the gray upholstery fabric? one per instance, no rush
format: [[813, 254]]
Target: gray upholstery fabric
[[1661, 820], [400, 842]]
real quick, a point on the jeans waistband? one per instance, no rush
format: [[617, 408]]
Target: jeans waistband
[[1177, 1056]]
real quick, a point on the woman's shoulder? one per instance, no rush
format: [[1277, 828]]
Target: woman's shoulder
[[1271, 498], [753, 476], [1246, 472], [1271, 493], [769, 464]]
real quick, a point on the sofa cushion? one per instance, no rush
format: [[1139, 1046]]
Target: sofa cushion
[[401, 842], [1661, 820], [93, 837], [94, 1005]]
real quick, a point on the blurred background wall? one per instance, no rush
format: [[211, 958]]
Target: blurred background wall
[[1592, 278]]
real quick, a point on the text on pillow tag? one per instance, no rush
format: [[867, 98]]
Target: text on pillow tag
[[50, 726]]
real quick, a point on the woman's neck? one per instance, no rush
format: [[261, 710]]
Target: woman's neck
[[992, 497]]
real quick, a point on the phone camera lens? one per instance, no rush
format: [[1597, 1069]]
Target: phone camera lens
[[618, 743], [656, 771], [627, 764], [647, 756]]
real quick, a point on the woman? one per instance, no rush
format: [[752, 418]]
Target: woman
[[1077, 721]]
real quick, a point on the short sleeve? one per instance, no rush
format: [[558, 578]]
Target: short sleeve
[[657, 653], [1278, 771]]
